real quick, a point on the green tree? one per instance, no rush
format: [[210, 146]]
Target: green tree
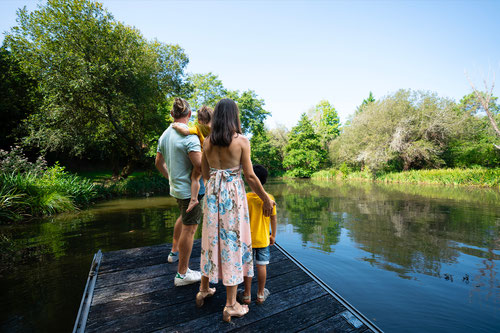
[[101, 81], [18, 98], [304, 152], [326, 120], [252, 113], [473, 143], [365, 102], [265, 153], [207, 90], [406, 130]]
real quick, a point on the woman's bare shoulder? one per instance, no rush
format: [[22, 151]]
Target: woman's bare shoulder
[[241, 139]]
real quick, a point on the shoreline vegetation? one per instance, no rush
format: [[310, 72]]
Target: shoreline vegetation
[[479, 177], [32, 189], [57, 92]]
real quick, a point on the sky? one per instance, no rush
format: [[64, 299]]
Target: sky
[[294, 54]]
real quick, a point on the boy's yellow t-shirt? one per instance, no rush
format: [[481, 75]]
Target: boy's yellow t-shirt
[[259, 224], [201, 131]]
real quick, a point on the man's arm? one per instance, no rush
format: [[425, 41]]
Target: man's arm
[[161, 165]]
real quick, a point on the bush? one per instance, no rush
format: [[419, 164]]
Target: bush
[[31, 189]]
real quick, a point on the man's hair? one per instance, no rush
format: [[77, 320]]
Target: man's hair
[[261, 173], [180, 109], [205, 114], [225, 122]]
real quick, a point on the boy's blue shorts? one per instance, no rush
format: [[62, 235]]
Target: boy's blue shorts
[[261, 255]]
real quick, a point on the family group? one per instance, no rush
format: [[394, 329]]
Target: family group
[[204, 165]]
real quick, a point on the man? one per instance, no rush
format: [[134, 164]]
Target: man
[[178, 159]]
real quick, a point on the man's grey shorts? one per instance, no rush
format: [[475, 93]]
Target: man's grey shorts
[[194, 216]]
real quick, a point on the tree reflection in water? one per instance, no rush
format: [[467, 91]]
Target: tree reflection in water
[[406, 229]]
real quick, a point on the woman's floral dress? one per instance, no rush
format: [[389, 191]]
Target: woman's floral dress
[[226, 242]]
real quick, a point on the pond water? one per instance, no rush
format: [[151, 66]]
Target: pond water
[[411, 258]]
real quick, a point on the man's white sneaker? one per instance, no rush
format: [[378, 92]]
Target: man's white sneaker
[[196, 273], [173, 257], [189, 278]]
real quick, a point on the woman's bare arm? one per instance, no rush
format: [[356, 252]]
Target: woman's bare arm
[[252, 179], [205, 167]]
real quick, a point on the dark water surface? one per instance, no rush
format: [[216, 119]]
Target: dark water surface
[[411, 258]]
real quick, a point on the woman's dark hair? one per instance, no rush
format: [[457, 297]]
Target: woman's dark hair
[[205, 114], [225, 122], [180, 109], [261, 173]]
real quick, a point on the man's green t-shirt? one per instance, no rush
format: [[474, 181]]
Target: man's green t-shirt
[[175, 149]]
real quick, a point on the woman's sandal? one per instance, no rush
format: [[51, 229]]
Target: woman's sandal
[[230, 311], [262, 298], [202, 294]]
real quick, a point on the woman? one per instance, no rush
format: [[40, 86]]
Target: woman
[[226, 241]]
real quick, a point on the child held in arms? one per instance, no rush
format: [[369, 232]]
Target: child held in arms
[[261, 240], [202, 130]]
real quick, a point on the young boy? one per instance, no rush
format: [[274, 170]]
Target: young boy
[[202, 130], [259, 226]]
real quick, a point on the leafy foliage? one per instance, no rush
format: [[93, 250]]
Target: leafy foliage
[[18, 98], [326, 121], [304, 152], [366, 101], [101, 81], [207, 90], [406, 130], [265, 153]]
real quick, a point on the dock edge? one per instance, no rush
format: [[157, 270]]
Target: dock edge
[[332, 292], [88, 293]]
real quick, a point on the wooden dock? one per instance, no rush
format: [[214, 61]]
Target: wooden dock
[[132, 290]]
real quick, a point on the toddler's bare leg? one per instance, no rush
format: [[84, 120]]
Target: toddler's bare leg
[[195, 188]]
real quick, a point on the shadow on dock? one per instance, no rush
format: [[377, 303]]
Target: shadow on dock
[[133, 290]]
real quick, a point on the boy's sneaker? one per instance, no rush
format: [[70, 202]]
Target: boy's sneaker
[[173, 257], [188, 278]]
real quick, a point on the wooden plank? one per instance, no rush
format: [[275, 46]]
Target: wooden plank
[[141, 273], [335, 323], [154, 255], [114, 277], [298, 317], [140, 259], [280, 301], [103, 313], [175, 315]]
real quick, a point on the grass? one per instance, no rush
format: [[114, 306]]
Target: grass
[[459, 177]]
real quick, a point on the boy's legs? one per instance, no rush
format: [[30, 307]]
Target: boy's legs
[[261, 258], [261, 278]]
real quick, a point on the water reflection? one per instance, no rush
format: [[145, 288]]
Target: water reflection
[[452, 234], [404, 230], [371, 242]]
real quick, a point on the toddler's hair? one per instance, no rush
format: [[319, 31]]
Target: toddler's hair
[[180, 109], [261, 173], [205, 114]]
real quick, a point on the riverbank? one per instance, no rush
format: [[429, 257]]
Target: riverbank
[[53, 190], [483, 177]]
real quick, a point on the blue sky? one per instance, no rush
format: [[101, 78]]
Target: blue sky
[[296, 53]]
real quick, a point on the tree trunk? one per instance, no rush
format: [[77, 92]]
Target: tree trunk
[[127, 169]]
